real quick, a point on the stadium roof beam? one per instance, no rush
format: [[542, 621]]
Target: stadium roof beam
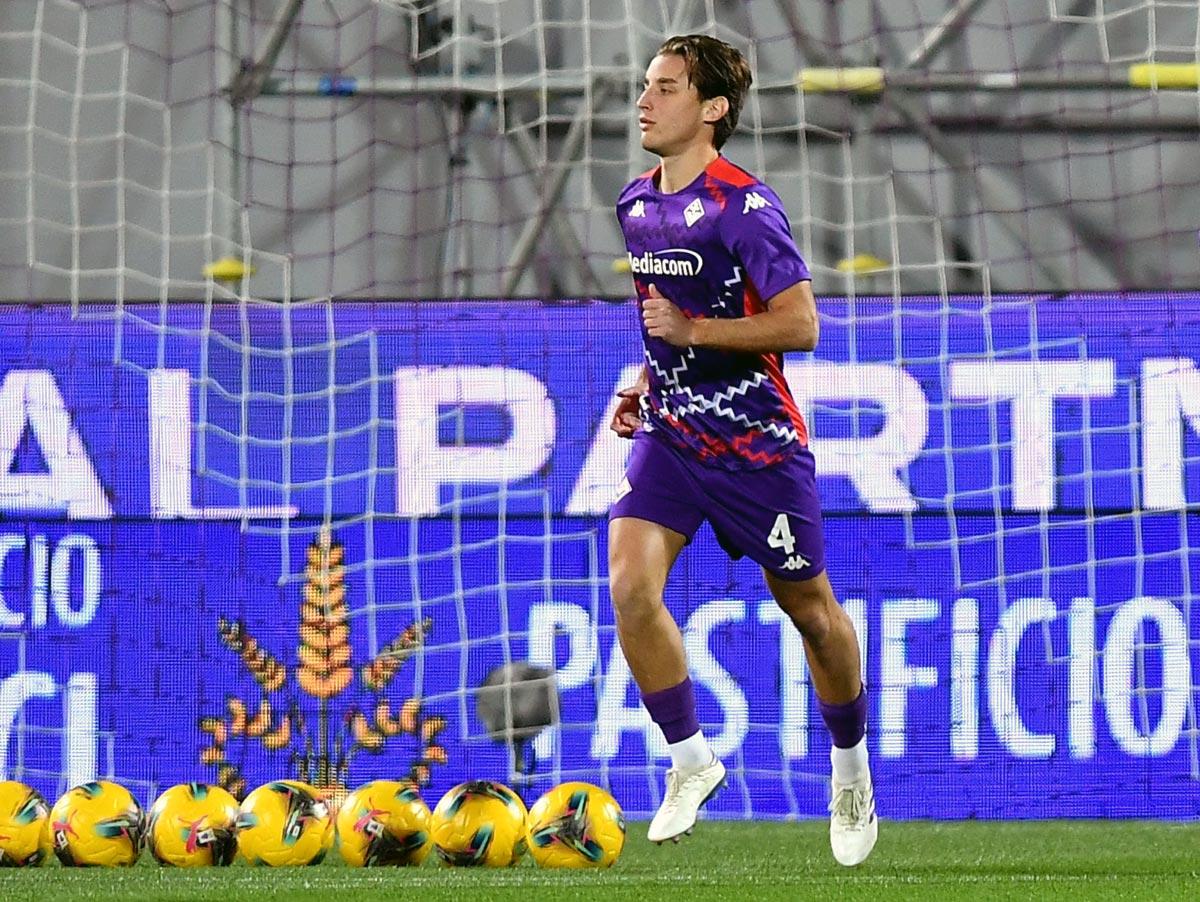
[[826, 130], [255, 80], [867, 81], [954, 245], [248, 83], [433, 86], [991, 108], [482, 87], [875, 80], [950, 26], [1046, 47], [527, 242], [942, 37], [956, 19], [892, 88], [832, 75], [559, 224], [1186, 127]]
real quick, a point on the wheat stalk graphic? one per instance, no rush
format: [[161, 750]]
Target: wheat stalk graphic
[[323, 671]]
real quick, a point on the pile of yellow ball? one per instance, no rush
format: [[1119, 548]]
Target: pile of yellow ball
[[479, 823]]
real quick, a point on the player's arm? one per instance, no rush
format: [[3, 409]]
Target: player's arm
[[789, 323]]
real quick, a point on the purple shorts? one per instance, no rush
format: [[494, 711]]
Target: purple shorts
[[771, 515]]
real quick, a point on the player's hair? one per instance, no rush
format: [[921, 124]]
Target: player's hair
[[716, 69]]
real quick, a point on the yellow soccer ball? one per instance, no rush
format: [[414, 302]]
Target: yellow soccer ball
[[284, 823], [383, 823], [479, 824], [97, 824], [24, 838], [576, 825], [193, 825]]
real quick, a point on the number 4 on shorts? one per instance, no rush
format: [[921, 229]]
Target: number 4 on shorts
[[781, 536]]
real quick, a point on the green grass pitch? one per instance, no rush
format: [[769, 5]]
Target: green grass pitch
[[725, 860]]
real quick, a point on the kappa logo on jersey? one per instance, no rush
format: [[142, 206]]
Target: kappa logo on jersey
[[674, 261], [693, 212], [796, 562], [755, 201], [638, 210]]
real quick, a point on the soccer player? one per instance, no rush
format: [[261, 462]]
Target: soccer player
[[717, 436]]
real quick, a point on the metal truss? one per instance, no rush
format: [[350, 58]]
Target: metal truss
[[885, 101]]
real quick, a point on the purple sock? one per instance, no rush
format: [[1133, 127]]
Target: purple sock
[[674, 710], [847, 723]]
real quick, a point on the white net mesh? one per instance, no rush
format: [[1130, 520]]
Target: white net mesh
[[1136, 30], [473, 149]]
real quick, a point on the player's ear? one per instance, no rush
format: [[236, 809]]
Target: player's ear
[[715, 109]]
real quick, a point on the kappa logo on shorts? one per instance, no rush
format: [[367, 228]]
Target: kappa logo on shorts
[[796, 562], [622, 490]]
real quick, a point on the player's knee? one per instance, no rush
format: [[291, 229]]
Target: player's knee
[[634, 596], [813, 624], [810, 614]]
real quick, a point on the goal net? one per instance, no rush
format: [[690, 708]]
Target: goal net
[[318, 315]]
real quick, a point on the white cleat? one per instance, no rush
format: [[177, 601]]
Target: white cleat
[[686, 792], [853, 827]]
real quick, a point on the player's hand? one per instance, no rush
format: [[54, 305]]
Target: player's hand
[[626, 421], [666, 321]]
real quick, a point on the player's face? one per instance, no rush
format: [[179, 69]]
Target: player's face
[[670, 112]]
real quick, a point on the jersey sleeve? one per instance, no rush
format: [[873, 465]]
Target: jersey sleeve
[[755, 230], [624, 193], [628, 192]]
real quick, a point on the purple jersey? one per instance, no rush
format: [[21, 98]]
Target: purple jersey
[[720, 247]]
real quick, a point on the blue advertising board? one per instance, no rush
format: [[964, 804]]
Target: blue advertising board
[[1012, 500]]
